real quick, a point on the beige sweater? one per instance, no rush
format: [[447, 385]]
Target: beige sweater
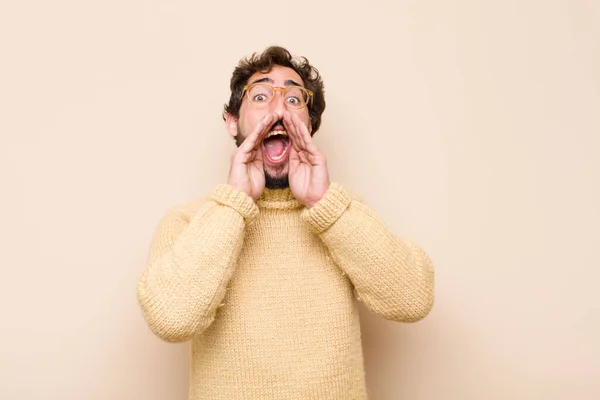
[[265, 291]]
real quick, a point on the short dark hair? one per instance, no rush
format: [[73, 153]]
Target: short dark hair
[[264, 62]]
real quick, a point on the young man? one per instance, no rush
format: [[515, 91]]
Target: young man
[[261, 274]]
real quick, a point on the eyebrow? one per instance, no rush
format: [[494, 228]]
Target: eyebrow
[[288, 82]]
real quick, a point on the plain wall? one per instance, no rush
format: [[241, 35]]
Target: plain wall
[[471, 127]]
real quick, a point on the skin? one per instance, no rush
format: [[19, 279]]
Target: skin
[[305, 165]]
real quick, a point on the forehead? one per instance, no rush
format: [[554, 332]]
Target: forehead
[[278, 76]]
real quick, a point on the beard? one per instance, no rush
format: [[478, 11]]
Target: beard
[[271, 182]]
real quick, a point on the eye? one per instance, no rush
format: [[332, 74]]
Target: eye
[[293, 100], [260, 97]]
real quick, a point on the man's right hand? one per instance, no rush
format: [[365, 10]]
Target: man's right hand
[[246, 172]]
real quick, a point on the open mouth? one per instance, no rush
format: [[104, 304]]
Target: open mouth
[[276, 145]]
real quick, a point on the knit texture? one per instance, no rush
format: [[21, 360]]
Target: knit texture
[[265, 291]]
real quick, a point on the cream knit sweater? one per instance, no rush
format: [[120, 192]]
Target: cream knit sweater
[[265, 291]]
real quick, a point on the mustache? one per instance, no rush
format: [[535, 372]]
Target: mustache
[[278, 124]]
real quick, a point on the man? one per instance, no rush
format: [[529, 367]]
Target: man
[[261, 274]]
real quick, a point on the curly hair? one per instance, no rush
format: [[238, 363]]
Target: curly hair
[[264, 62]]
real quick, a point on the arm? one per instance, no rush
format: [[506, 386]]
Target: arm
[[191, 260], [393, 276]]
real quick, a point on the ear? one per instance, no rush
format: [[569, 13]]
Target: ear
[[231, 124]]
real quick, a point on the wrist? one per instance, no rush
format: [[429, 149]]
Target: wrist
[[330, 207], [311, 202], [243, 187], [237, 199]]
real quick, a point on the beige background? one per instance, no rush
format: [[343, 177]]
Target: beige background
[[472, 127]]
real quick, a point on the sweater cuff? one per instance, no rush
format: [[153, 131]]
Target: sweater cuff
[[327, 210], [242, 203]]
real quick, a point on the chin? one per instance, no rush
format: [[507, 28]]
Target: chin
[[276, 178], [276, 171]]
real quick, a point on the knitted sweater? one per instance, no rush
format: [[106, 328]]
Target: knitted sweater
[[265, 291]]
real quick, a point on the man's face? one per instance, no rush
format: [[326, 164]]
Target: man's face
[[276, 149]]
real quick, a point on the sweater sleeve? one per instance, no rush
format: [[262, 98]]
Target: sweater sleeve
[[191, 259], [393, 276]]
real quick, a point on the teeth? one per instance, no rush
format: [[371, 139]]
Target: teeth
[[278, 157], [274, 133]]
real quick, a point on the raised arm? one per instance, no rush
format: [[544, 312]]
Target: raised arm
[[191, 259], [393, 276]]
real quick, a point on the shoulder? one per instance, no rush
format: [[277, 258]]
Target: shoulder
[[185, 211]]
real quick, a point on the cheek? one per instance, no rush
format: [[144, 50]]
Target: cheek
[[302, 114], [305, 117], [245, 123], [250, 119]]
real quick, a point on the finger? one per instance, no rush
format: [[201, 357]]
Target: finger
[[294, 157], [297, 138], [300, 152], [303, 154], [291, 130], [302, 131], [304, 135], [259, 131], [317, 159]]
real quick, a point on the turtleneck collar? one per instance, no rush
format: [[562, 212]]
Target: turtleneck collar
[[278, 199]]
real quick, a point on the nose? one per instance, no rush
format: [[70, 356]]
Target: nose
[[278, 103]]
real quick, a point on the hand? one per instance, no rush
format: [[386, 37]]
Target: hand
[[246, 171], [308, 174]]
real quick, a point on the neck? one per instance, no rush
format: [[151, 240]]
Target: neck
[[278, 198]]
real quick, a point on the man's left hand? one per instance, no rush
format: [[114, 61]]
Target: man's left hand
[[308, 174]]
